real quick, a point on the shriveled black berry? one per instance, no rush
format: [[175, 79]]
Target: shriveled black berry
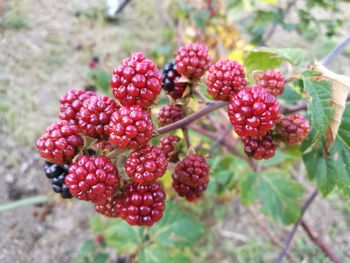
[[57, 174], [169, 82], [53, 170]]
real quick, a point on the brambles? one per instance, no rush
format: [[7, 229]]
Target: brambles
[[292, 129], [169, 114], [171, 84], [192, 60], [225, 78], [168, 146], [273, 81], [60, 142], [142, 205], [259, 147], [130, 127], [108, 208], [146, 165], [253, 112], [136, 81]]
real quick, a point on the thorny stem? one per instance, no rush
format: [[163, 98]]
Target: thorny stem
[[295, 226]]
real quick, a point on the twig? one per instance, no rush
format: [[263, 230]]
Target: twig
[[186, 137], [268, 232], [212, 106], [320, 243], [335, 52], [294, 229]]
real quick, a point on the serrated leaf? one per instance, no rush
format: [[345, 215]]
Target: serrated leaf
[[267, 58], [280, 195], [177, 229], [100, 258], [343, 132], [155, 254], [319, 106], [340, 87], [88, 247]]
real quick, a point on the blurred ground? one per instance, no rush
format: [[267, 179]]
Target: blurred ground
[[43, 58]]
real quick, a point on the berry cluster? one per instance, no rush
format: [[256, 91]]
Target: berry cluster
[[255, 111], [86, 147]]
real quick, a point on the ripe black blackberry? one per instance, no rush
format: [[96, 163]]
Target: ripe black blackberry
[[170, 85], [57, 174]]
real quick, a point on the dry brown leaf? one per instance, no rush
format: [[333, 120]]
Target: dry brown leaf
[[340, 91]]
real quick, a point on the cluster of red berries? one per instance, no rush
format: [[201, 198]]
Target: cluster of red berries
[[255, 111], [95, 132]]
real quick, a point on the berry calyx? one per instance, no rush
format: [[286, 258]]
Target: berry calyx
[[293, 128], [92, 178], [259, 148], [130, 128], [170, 83], [95, 115], [273, 81], [136, 81], [142, 205], [146, 165], [71, 103], [108, 208], [253, 111], [168, 146], [191, 177], [60, 142], [192, 60], [169, 114], [225, 78]]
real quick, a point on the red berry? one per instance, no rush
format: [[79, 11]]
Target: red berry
[[92, 178], [130, 128], [259, 148], [60, 142], [253, 112], [273, 81], [192, 60], [146, 165], [142, 205], [293, 128], [169, 114], [95, 115], [104, 145], [225, 78], [168, 146], [108, 208], [191, 177], [171, 84], [71, 103], [136, 81]]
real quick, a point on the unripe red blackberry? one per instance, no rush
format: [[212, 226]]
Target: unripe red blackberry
[[108, 208], [104, 146], [293, 128], [168, 146], [192, 60], [136, 81], [259, 148], [225, 78], [273, 81], [146, 165], [253, 111], [95, 115], [71, 103], [170, 83], [60, 142], [92, 178], [191, 177], [130, 128], [169, 114], [142, 205]]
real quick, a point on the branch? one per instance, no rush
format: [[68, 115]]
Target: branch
[[335, 52], [294, 229], [211, 106], [320, 243]]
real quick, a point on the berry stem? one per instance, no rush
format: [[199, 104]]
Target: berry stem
[[186, 137]]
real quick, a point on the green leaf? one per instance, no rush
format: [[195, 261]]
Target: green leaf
[[103, 79], [200, 18], [344, 129], [280, 195], [87, 248], [289, 95], [267, 58], [100, 258], [319, 107], [177, 229], [155, 254]]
